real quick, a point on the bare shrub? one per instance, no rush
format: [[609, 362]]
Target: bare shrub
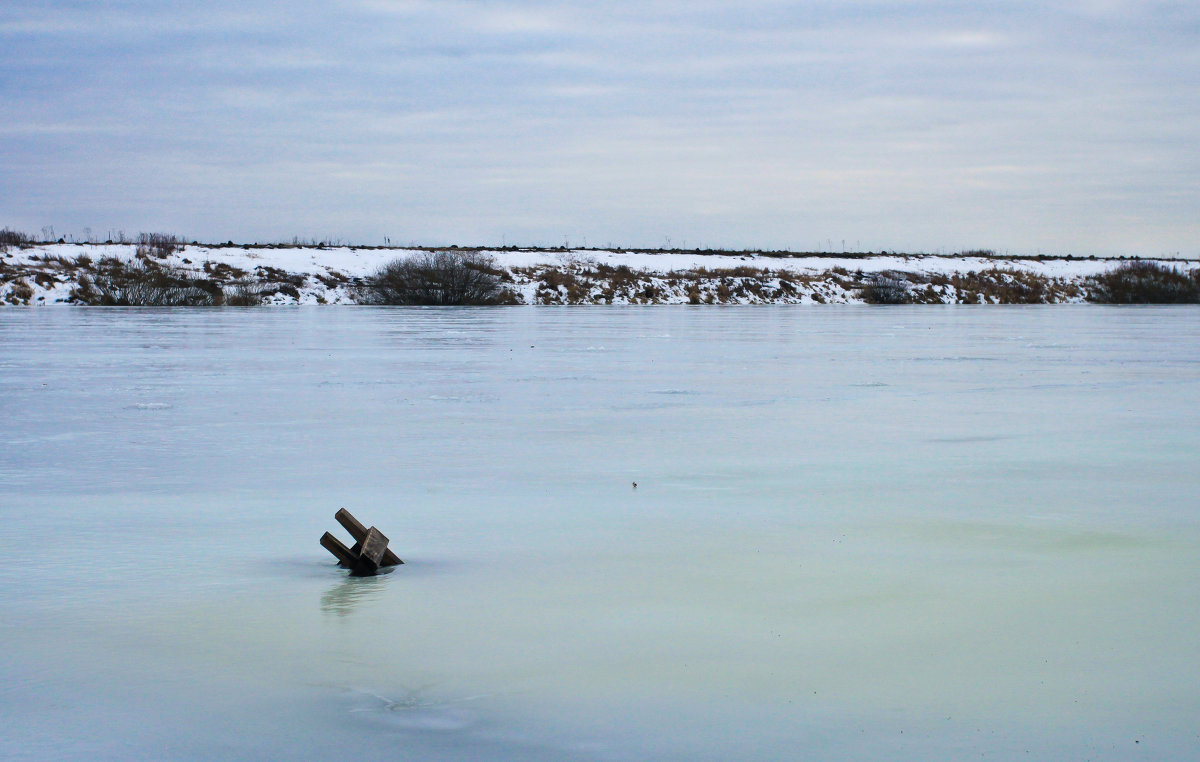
[[243, 295], [883, 288], [9, 237], [287, 289], [1002, 286], [223, 271], [1144, 283], [274, 274], [157, 245], [20, 293], [332, 279], [563, 287], [440, 278], [620, 276], [144, 284]]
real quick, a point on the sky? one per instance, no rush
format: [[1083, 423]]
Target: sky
[[1062, 126]]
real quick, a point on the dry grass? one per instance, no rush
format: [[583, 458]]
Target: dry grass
[[151, 278], [142, 283], [9, 237], [886, 288], [1145, 283], [243, 295], [157, 245], [994, 286], [20, 293]]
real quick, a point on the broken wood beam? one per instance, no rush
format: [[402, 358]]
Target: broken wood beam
[[359, 533], [343, 554], [374, 545], [370, 551]]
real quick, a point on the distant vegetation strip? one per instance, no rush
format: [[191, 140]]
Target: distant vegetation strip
[[157, 270], [121, 238]]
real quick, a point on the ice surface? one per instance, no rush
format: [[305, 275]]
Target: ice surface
[[912, 533]]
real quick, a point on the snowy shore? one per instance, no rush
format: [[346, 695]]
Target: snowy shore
[[48, 274]]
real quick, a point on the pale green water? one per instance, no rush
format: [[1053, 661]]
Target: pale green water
[[858, 533]]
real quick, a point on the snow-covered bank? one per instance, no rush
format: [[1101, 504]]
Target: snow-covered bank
[[43, 274]]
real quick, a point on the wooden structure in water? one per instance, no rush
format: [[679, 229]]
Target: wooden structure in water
[[370, 552]]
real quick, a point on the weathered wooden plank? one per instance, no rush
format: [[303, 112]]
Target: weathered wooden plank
[[353, 525], [373, 546], [359, 532], [343, 554]]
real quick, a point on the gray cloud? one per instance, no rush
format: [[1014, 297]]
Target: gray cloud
[[913, 125]]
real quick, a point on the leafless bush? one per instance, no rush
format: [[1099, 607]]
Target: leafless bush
[[1145, 283], [883, 288], [563, 287], [332, 279], [222, 271], [437, 278], [268, 273], [144, 284], [157, 245], [9, 237], [243, 295]]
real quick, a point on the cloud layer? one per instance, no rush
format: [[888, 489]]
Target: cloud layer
[[1063, 127]]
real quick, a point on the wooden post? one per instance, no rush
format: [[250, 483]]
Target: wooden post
[[340, 551], [353, 525], [373, 546], [359, 533], [370, 549]]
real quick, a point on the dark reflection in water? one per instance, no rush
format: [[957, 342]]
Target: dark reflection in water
[[348, 594]]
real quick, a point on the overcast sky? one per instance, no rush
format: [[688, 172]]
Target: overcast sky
[[1064, 126]]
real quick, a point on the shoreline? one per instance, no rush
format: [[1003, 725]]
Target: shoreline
[[40, 274]]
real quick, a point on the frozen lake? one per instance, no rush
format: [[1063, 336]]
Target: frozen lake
[[891, 533]]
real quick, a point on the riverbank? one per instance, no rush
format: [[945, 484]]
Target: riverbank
[[66, 273]]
